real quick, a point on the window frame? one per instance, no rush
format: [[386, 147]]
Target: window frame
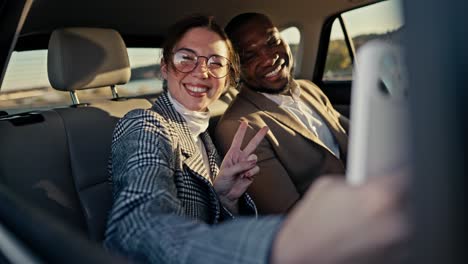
[[299, 52], [324, 43]]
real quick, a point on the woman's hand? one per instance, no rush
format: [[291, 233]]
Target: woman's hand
[[238, 168]]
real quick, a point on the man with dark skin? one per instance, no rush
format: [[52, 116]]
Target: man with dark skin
[[307, 136]]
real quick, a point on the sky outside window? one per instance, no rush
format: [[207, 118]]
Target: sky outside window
[[376, 18]]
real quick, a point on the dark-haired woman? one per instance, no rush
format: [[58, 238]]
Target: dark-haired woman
[[166, 173]]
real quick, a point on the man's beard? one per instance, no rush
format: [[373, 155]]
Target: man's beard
[[269, 90]]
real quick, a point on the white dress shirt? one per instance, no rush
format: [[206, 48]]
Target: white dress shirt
[[307, 116]]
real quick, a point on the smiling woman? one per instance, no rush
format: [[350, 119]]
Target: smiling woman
[[165, 165]]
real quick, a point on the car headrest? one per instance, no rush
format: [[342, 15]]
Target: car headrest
[[83, 58]]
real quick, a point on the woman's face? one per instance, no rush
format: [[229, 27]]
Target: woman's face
[[197, 89]]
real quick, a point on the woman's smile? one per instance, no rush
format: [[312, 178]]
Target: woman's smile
[[196, 90]]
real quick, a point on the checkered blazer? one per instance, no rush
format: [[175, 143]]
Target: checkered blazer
[[164, 205]]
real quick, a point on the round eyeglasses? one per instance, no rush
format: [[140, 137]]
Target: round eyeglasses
[[186, 61]]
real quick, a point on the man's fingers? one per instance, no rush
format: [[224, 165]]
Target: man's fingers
[[255, 141]]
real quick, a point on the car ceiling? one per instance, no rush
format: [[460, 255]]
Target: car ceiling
[[143, 23], [152, 17]]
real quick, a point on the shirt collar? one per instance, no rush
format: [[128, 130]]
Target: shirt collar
[[292, 95], [197, 121]]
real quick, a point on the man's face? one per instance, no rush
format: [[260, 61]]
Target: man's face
[[266, 60]]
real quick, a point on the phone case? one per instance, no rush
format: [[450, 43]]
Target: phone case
[[378, 140]]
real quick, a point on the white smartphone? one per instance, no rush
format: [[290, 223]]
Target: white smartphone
[[378, 137]]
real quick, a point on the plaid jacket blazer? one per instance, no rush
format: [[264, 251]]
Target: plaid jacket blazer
[[164, 207]]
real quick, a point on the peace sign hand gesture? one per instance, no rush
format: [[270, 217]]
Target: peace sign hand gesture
[[238, 168]]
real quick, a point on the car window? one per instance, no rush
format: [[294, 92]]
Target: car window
[[292, 36], [382, 21], [338, 65], [26, 84]]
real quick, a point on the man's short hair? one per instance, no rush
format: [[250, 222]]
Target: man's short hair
[[239, 21]]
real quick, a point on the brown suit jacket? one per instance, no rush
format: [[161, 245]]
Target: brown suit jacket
[[290, 157]]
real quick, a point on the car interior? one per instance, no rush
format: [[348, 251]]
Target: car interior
[[55, 192]]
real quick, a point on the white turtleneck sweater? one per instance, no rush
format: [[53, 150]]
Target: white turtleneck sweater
[[197, 123]]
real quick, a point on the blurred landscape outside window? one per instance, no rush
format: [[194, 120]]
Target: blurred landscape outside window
[[26, 85], [382, 21], [292, 36]]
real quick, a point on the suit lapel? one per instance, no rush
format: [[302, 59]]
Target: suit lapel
[[327, 115], [196, 166], [213, 156], [194, 158], [271, 108], [181, 134]]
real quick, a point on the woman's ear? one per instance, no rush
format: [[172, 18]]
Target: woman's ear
[[163, 69]]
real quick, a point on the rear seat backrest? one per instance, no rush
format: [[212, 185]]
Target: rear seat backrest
[[218, 108], [35, 164], [89, 132], [57, 159], [84, 58]]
